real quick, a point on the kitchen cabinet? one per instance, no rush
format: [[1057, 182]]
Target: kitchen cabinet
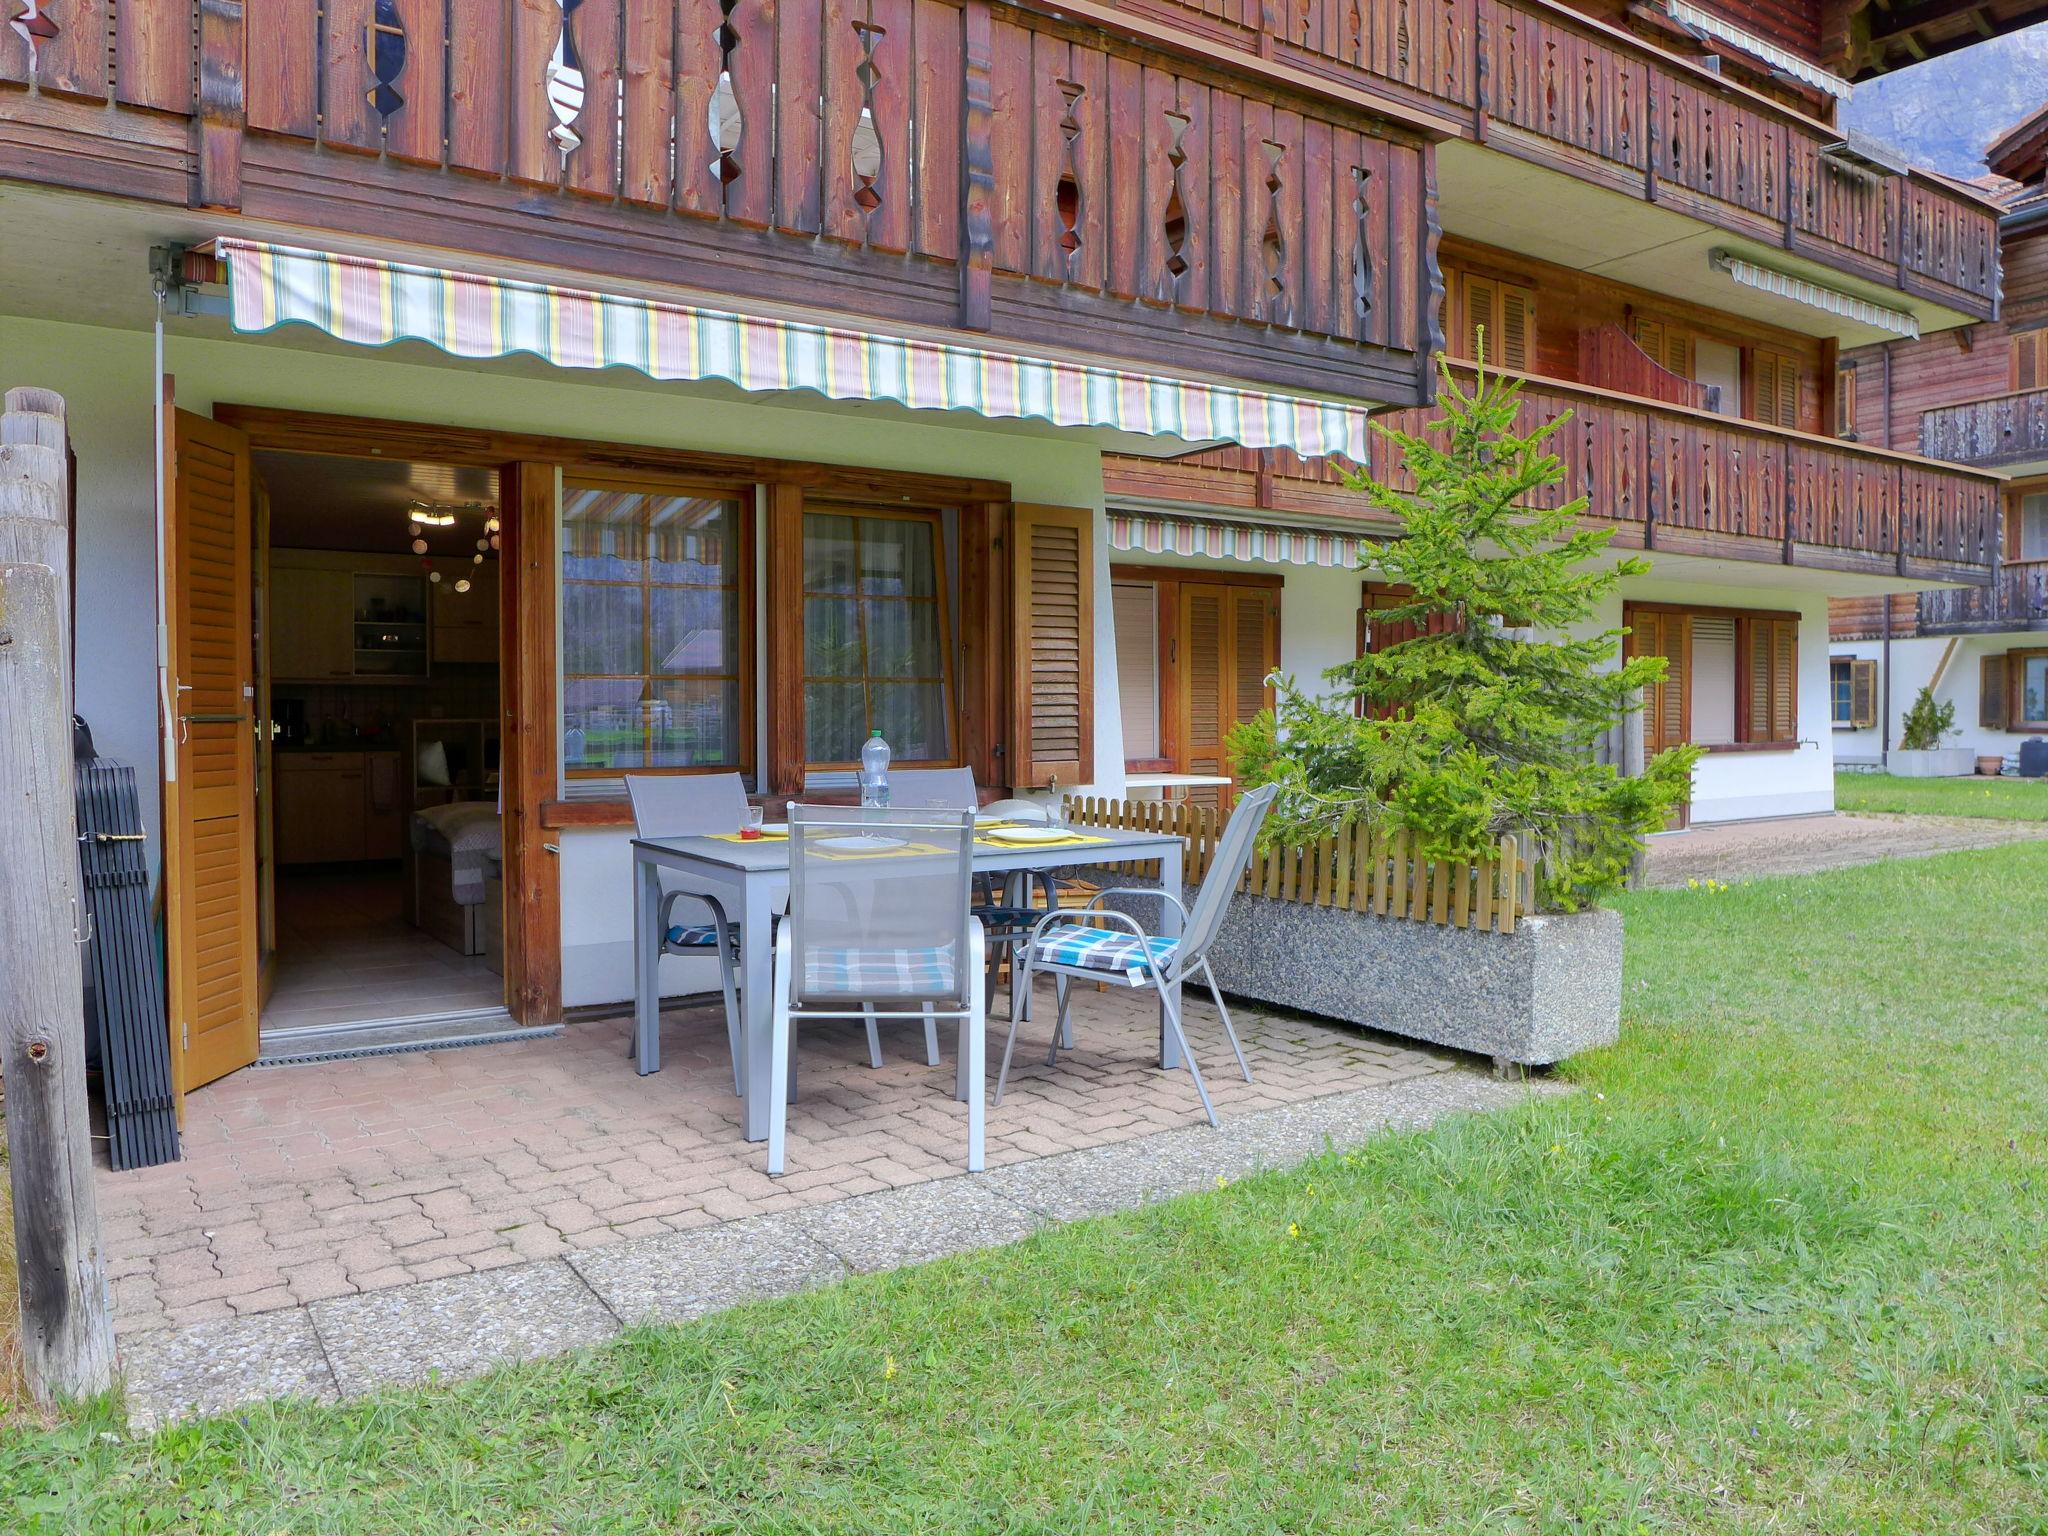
[[341, 617], [465, 627], [338, 807], [312, 618]]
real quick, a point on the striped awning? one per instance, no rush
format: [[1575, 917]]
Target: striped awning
[[467, 314], [1150, 533], [1706, 24], [1800, 291]]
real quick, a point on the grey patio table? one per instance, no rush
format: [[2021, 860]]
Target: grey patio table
[[751, 881]]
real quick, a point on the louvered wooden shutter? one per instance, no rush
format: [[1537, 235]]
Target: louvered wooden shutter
[[1052, 564], [1862, 694], [1517, 347], [1768, 683], [1667, 711], [1481, 327], [1251, 659], [1672, 346], [1774, 388], [2030, 359], [1202, 667], [1991, 693]]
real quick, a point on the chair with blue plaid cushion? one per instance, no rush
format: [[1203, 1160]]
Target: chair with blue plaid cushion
[[1104, 945], [696, 805], [878, 927]]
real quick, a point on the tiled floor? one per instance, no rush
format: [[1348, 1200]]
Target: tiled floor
[[311, 1182], [345, 954]]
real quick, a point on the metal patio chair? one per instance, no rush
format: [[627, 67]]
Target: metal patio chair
[[695, 805], [879, 927], [1073, 948]]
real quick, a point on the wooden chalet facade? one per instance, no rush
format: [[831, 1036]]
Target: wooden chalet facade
[[1978, 397], [982, 370]]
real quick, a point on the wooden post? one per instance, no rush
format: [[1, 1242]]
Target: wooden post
[[67, 1332]]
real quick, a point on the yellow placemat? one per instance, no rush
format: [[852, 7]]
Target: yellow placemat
[[1072, 840]]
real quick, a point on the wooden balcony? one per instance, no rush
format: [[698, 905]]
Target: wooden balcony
[[930, 163], [1671, 479], [1534, 79], [2004, 432], [2017, 599]]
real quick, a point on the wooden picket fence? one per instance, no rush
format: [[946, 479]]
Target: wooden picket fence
[[1362, 869]]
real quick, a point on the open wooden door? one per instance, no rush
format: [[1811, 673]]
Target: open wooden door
[[209, 803]]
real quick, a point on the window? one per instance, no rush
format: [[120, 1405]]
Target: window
[[1773, 388], [655, 630], [1852, 693], [1845, 400], [2030, 359], [877, 636], [1505, 312], [2027, 675], [2033, 529], [1731, 676]]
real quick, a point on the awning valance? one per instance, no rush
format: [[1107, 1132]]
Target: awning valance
[[376, 302], [1800, 291], [1156, 534]]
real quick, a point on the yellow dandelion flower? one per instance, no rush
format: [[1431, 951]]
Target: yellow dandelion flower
[[1294, 1229], [1222, 1182], [888, 1367]]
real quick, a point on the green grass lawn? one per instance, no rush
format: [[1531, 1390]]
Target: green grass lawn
[[1779, 1268], [1997, 799]]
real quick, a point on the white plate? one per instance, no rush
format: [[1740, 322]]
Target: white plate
[[864, 843], [1030, 835], [993, 821]]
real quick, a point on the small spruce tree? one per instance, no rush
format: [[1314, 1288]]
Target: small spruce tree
[[1486, 721]]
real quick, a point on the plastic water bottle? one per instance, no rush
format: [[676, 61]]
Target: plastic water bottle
[[874, 772]]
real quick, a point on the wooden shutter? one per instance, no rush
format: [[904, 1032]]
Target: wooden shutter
[[1991, 692], [1506, 312], [1862, 694], [1052, 639], [1667, 706], [1517, 330], [1773, 388], [1200, 659], [210, 804], [1672, 346], [1767, 678], [1480, 305], [1845, 401], [2030, 359]]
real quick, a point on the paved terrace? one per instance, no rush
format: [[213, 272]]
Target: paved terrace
[[304, 1184]]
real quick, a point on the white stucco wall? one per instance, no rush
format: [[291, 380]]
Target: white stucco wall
[[1913, 665], [107, 380]]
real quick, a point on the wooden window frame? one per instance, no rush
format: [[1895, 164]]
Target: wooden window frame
[[1861, 674], [1168, 580], [1745, 621], [943, 597], [2016, 661], [743, 497], [2027, 355]]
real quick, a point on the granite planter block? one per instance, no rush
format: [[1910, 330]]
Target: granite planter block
[[1549, 990], [1934, 763]]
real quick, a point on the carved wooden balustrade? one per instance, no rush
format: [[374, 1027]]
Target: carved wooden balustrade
[[1535, 79], [1999, 432], [2016, 599], [1671, 478], [931, 162]]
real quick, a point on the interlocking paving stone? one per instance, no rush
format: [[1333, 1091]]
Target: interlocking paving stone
[[469, 1323], [677, 1276], [214, 1367], [918, 1224], [459, 1326]]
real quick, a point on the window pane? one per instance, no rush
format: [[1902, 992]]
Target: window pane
[[912, 719], [829, 553], [2034, 528], [835, 722], [603, 534], [831, 637], [696, 629], [2033, 689], [692, 540], [601, 629], [602, 723], [903, 639], [694, 724], [896, 558]]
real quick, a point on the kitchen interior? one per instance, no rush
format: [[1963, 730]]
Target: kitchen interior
[[379, 858]]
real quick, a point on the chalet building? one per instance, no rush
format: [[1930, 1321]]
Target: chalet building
[[474, 402], [1976, 396]]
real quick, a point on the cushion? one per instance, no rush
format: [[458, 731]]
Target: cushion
[[697, 936], [433, 763], [885, 972], [1114, 950]]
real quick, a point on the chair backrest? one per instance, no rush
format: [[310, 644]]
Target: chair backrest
[[929, 788], [686, 804], [878, 905], [1233, 854]]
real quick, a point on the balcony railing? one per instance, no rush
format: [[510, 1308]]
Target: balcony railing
[[2016, 599], [1535, 79], [929, 162], [1674, 479], [1995, 433]]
